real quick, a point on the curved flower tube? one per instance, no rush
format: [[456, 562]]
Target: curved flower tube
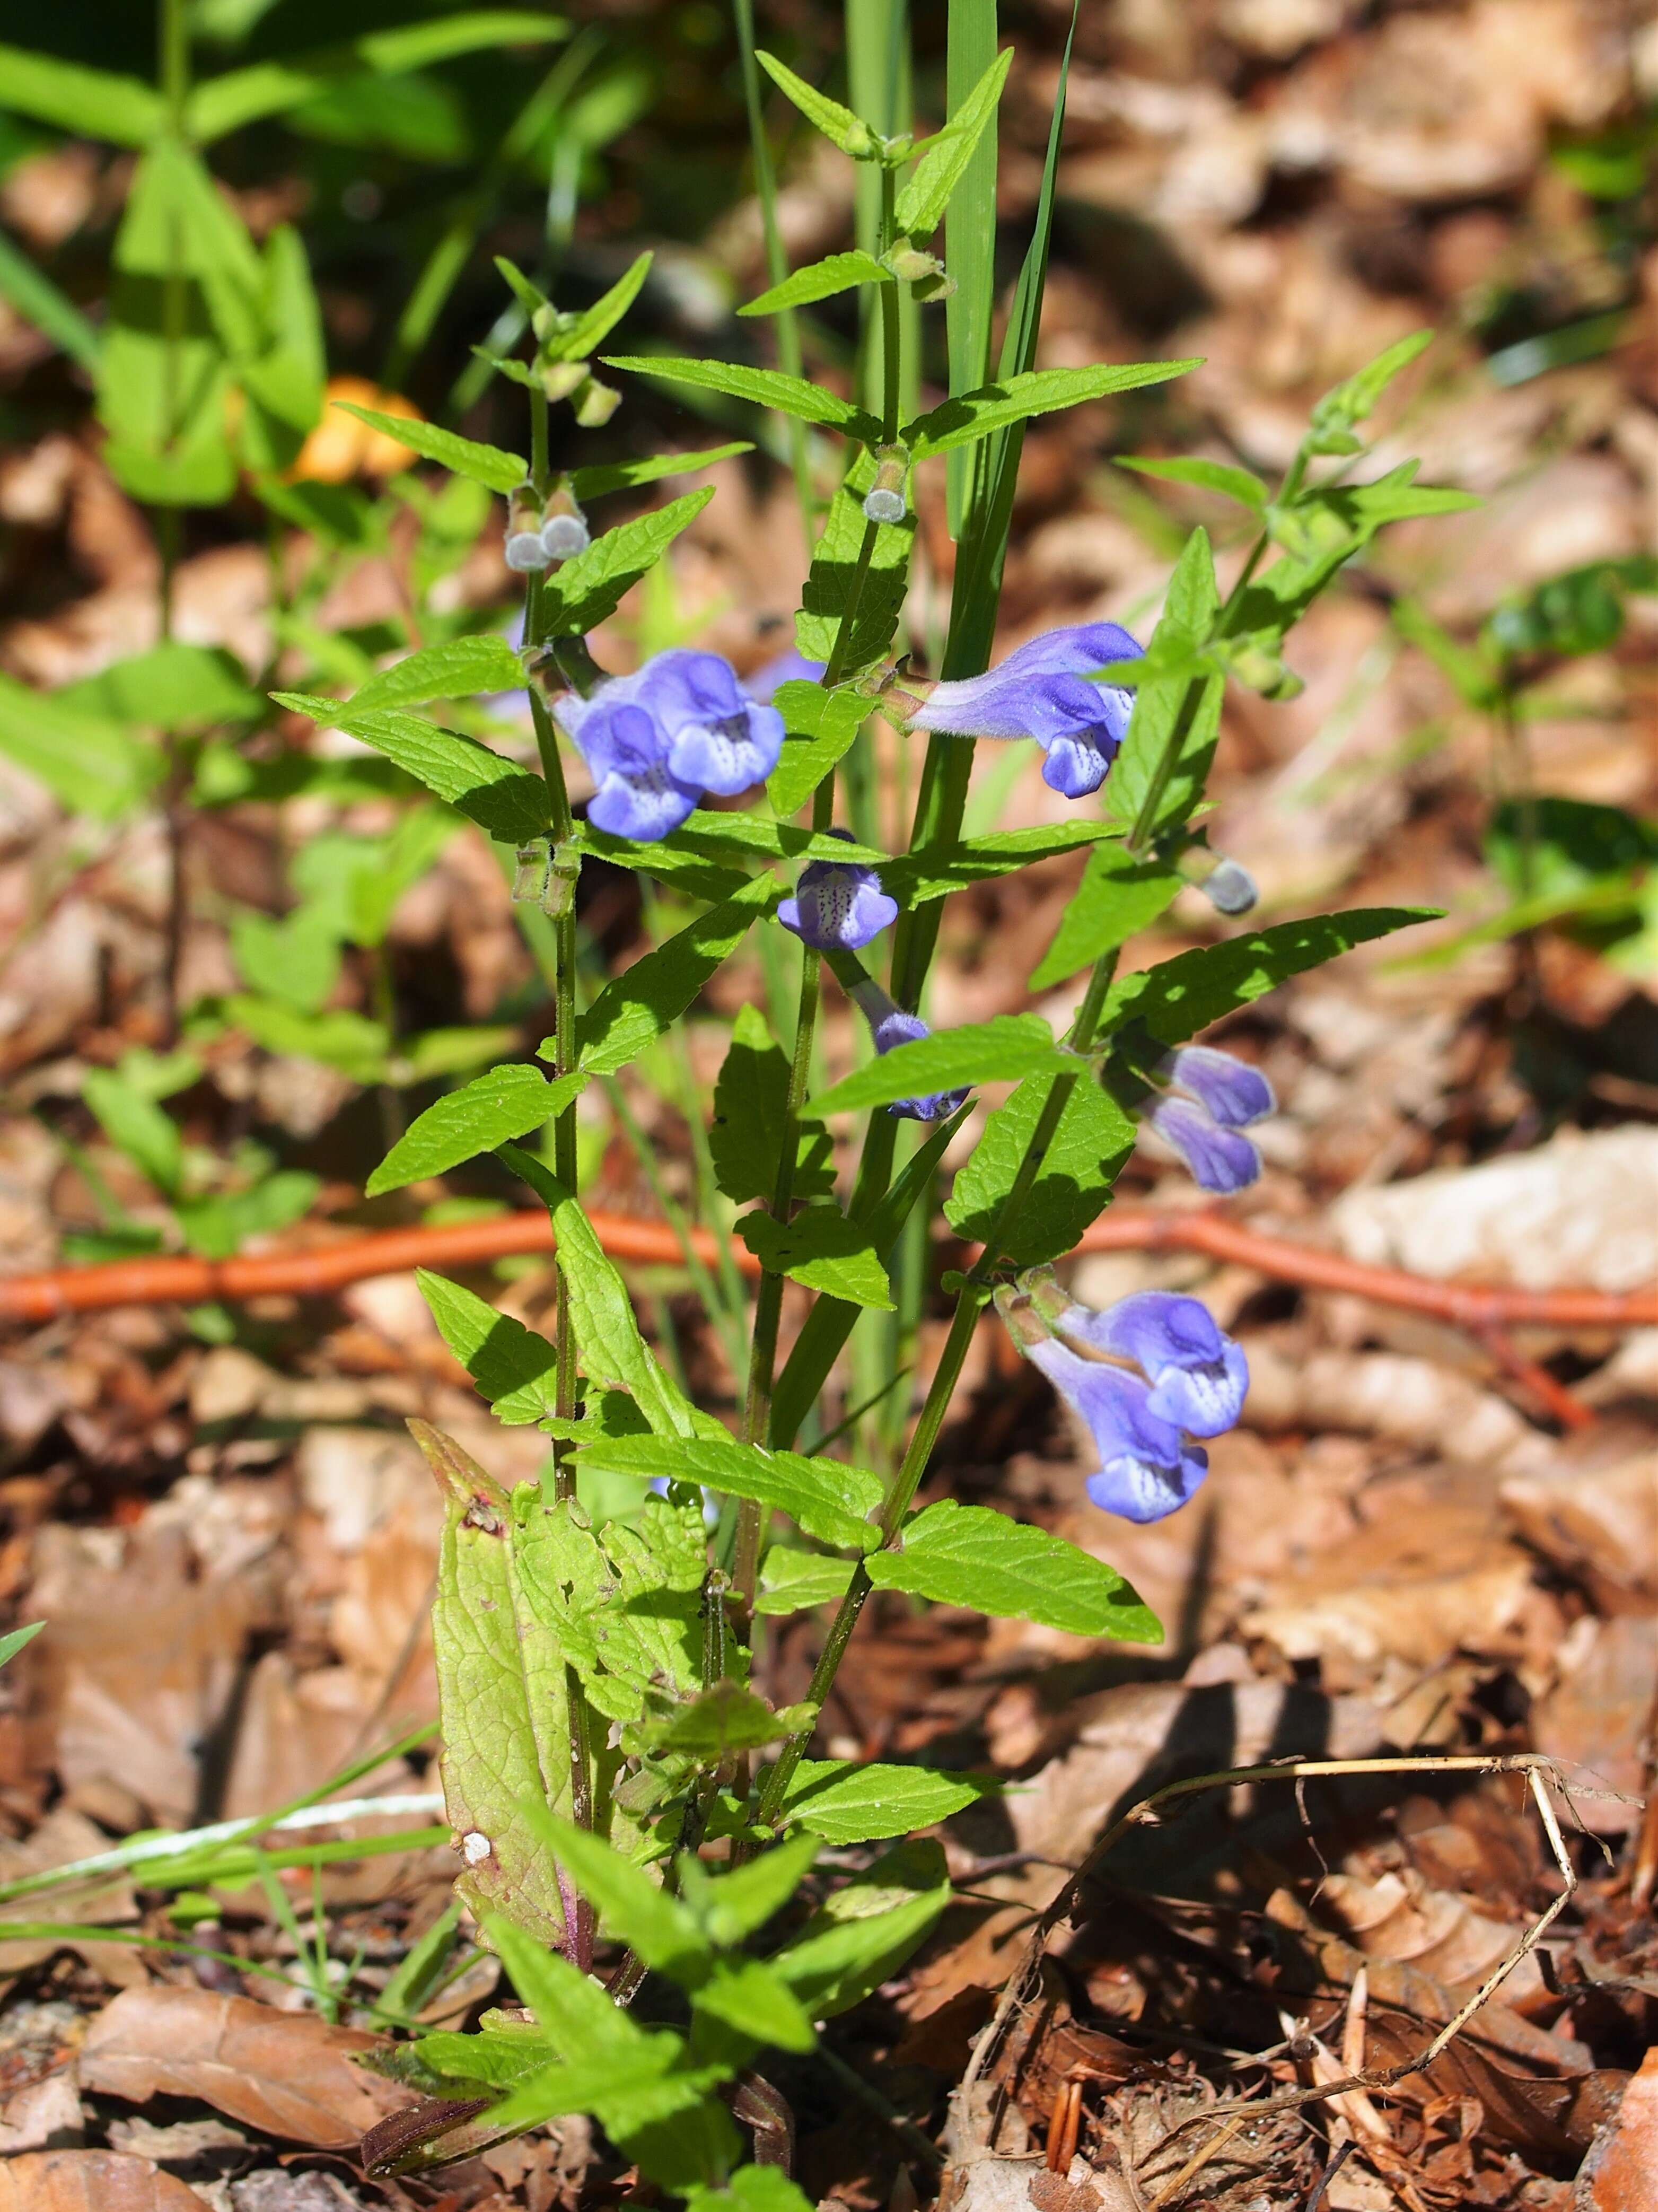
[[1041, 691], [1198, 1375], [1147, 1468], [1219, 1097], [839, 906], [890, 1026], [657, 739]]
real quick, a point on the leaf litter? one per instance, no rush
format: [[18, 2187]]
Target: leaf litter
[[1398, 1552]]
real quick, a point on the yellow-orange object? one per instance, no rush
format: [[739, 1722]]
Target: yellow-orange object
[[341, 447]]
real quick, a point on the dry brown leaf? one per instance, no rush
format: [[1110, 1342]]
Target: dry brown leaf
[[90, 2181], [1595, 1719], [289, 2074], [1595, 1516], [1620, 2168]]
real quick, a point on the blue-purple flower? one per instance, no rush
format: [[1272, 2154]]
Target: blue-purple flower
[[1188, 1379], [1041, 691], [790, 667], [1211, 1099], [890, 1026], [839, 905], [656, 740]]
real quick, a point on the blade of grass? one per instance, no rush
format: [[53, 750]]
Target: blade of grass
[[969, 237], [878, 88]]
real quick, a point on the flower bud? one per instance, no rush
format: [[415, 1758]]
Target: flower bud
[[1226, 884], [564, 530], [923, 272], [559, 378], [525, 550], [884, 501], [594, 403]]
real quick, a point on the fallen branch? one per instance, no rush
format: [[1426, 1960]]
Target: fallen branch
[[314, 1272], [1533, 1765]]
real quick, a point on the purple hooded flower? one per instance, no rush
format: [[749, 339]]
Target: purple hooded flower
[[1198, 1375], [790, 667], [655, 740], [1147, 1468], [890, 1026], [1223, 1096], [839, 905], [1041, 691]]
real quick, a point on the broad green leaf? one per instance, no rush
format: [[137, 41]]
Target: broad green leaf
[[136, 1124], [820, 1247], [237, 97], [89, 103], [818, 727], [38, 300], [1000, 1050], [572, 2009], [1118, 896], [502, 1695], [219, 1225], [762, 388], [832, 1967], [593, 326], [12, 1643], [283, 380], [745, 1996], [750, 1102], [732, 837], [838, 125], [847, 1803], [1241, 484], [456, 670], [609, 1345], [1016, 398], [494, 2058], [630, 1904], [1072, 1186], [926, 194], [733, 1905], [753, 2189], [634, 1009], [173, 687], [1176, 721], [1179, 997], [579, 594], [726, 1718], [1192, 599], [820, 280], [622, 476], [832, 585], [90, 763], [484, 465], [914, 878], [516, 1370], [829, 1500], [338, 1038], [496, 793], [648, 1632], [969, 1555], [792, 1581], [508, 1102]]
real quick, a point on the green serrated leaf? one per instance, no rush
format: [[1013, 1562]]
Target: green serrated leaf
[[726, 1718], [89, 762], [793, 1580], [630, 1904], [1073, 1187], [835, 1964], [172, 687], [833, 588], [735, 1905], [516, 1370], [465, 457], [969, 1555], [916, 878], [820, 280], [846, 1801], [579, 594], [943, 158], [1176, 721], [1118, 896], [838, 125], [820, 1247], [509, 1102], [595, 324], [90, 103], [456, 670], [634, 1009], [1013, 399], [1179, 997], [496, 793], [818, 728], [750, 1106], [762, 388], [828, 1500], [1352, 400], [753, 2189], [1002, 1050]]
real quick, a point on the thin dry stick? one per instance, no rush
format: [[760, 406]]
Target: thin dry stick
[[1533, 1765]]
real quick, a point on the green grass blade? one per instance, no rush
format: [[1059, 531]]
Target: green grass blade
[[969, 235], [38, 300]]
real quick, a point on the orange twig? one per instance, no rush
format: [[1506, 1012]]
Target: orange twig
[[319, 1269]]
